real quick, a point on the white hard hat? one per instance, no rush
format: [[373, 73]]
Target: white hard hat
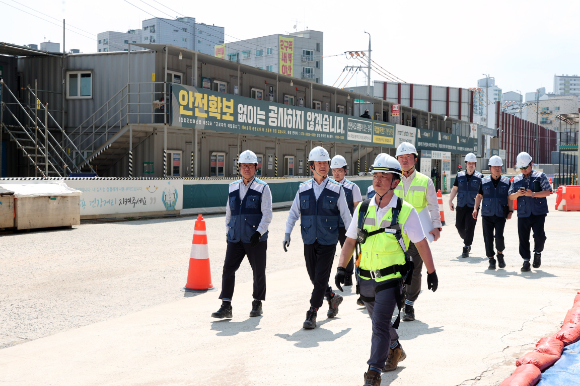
[[318, 154], [406, 148], [384, 163], [523, 159], [495, 161], [337, 162], [248, 157], [470, 157]]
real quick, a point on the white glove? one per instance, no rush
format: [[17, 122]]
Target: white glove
[[286, 242]]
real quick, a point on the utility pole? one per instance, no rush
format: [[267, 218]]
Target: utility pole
[[487, 101], [369, 67], [537, 123]]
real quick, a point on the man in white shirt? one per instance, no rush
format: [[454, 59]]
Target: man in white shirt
[[319, 203], [248, 215]]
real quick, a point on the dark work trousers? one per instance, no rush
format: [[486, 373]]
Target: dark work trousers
[[465, 223], [341, 239], [381, 312], [235, 253], [489, 224], [319, 260], [414, 289], [535, 223]]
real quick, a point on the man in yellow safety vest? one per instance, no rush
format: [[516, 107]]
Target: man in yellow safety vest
[[384, 226]]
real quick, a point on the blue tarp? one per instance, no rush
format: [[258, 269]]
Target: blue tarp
[[566, 371]]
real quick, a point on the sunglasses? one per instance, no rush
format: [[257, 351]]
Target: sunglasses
[[524, 168]]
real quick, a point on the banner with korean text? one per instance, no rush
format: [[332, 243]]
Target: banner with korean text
[[436, 140], [210, 110], [220, 51], [286, 55], [384, 134]]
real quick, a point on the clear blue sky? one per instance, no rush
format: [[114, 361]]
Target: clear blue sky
[[449, 42]]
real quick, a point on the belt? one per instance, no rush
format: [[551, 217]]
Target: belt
[[379, 273]]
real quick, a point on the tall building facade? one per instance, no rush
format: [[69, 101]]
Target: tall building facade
[[274, 53], [182, 32], [567, 85], [484, 97], [548, 107], [118, 41]]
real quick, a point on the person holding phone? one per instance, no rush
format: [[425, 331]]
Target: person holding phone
[[530, 188], [495, 210]]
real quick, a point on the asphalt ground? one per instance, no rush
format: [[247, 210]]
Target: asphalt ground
[[101, 304]]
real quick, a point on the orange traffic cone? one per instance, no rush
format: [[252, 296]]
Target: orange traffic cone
[[199, 275], [440, 200]]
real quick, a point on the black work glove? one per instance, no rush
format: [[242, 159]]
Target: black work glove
[[432, 281], [255, 239], [339, 278]]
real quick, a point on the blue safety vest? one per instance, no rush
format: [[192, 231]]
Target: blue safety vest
[[530, 205], [348, 192], [246, 214], [467, 192], [371, 192], [319, 218], [494, 199]]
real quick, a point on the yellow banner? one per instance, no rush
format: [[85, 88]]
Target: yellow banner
[[220, 51], [383, 133], [286, 55]]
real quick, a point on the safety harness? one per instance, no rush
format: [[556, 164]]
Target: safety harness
[[406, 270]]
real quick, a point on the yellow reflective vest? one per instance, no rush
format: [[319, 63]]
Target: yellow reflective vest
[[417, 193], [383, 250]]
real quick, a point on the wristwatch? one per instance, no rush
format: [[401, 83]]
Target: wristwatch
[[510, 211], [533, 194]]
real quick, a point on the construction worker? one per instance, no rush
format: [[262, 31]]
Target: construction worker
[[418, 190], [466, 187], [496, 208], [319, 203], [530, 188], [383, 227], [353, 198], [248, 215]]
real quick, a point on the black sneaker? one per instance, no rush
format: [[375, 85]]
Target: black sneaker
[[465, 252], [256, 308], [310, 322], [469, 249], [333, 304], [526, 267], [348, 280], [409, 313], [537, 260], [360, 302], [491, 264], [500, 260], [225, 311]]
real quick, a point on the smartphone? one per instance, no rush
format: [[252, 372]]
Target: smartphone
[[522, 189]]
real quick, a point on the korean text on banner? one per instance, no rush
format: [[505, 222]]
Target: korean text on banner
[[384, 134], [286, 52], [220, 51]]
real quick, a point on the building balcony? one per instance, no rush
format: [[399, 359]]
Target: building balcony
[[308, 75], [307, 58]]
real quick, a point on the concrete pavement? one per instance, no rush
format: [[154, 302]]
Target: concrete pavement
[[469, 332]]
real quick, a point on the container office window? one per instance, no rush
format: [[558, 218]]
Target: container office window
[[105, 41], [220, 86], [99, 41], [259, 169], [152, 29], [245, 54], [289, 165], [174, 167], [289, 100], [105, 50], [217, 164], [79, 85], [174, 77], [307, 55], [257, 94]]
